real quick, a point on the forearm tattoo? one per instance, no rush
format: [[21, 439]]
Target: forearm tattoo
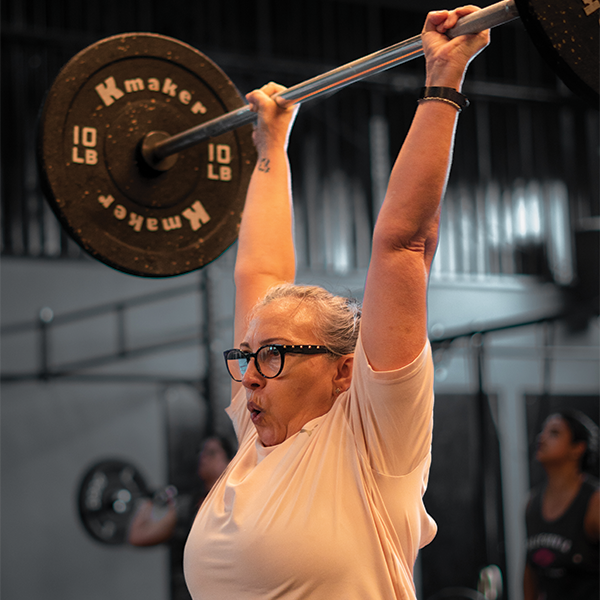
[[264, 165]]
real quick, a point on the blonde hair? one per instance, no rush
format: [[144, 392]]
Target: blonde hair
[[336, 319]]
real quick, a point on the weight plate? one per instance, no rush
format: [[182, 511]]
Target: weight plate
[[565, 32], [131, 217], [106, 499]]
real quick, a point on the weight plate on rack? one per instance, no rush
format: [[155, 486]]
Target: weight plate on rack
[[106, 499]]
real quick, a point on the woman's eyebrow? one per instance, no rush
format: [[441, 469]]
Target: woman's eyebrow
[[266, 342]]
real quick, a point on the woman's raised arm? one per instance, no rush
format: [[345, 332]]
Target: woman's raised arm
[[394, 323], [266, 254]]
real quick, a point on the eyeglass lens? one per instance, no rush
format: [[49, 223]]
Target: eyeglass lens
[[268, 362]]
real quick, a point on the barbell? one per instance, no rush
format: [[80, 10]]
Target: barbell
[[106, 499], [145, 146], [108, 495]]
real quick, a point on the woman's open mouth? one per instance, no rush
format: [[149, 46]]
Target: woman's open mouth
[[255, 412]]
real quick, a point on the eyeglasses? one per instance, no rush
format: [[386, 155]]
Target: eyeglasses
[[268, 359]]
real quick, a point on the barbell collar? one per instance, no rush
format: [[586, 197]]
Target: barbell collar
[[331, 81]]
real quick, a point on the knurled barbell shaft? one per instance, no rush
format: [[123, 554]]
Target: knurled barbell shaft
[[496, 14]]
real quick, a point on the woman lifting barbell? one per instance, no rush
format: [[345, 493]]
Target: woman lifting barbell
[[334, 422]]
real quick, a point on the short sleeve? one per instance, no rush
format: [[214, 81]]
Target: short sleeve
[[391, 412]]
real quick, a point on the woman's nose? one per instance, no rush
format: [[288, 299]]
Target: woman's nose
[[252, 377]]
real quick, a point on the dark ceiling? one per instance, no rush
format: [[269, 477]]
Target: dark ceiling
[[421, 6]]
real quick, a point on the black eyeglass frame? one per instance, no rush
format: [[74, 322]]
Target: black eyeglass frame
[[283, 349]]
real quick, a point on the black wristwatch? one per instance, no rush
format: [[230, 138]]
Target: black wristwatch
[[444, 94]]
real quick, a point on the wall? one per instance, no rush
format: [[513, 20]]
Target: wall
[[53, 431]]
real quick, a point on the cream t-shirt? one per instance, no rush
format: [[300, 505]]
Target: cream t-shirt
[[333, 512]]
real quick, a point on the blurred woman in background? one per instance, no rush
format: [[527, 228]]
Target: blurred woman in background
[[152, 525], [562, 516]]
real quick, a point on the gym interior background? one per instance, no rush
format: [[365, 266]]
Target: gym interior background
[[100, 364]]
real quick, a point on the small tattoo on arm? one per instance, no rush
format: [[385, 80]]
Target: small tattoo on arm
[[264, 165]]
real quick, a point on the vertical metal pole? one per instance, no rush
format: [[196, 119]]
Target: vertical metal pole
[[45, 318], [207, 337], [487, 472], [121, 333]]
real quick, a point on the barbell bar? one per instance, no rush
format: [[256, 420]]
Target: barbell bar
[[156, 148]]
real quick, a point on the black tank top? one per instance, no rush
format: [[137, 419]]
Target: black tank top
[[564, 560]]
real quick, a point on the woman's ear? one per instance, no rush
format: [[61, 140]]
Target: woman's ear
[[343, 374]]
